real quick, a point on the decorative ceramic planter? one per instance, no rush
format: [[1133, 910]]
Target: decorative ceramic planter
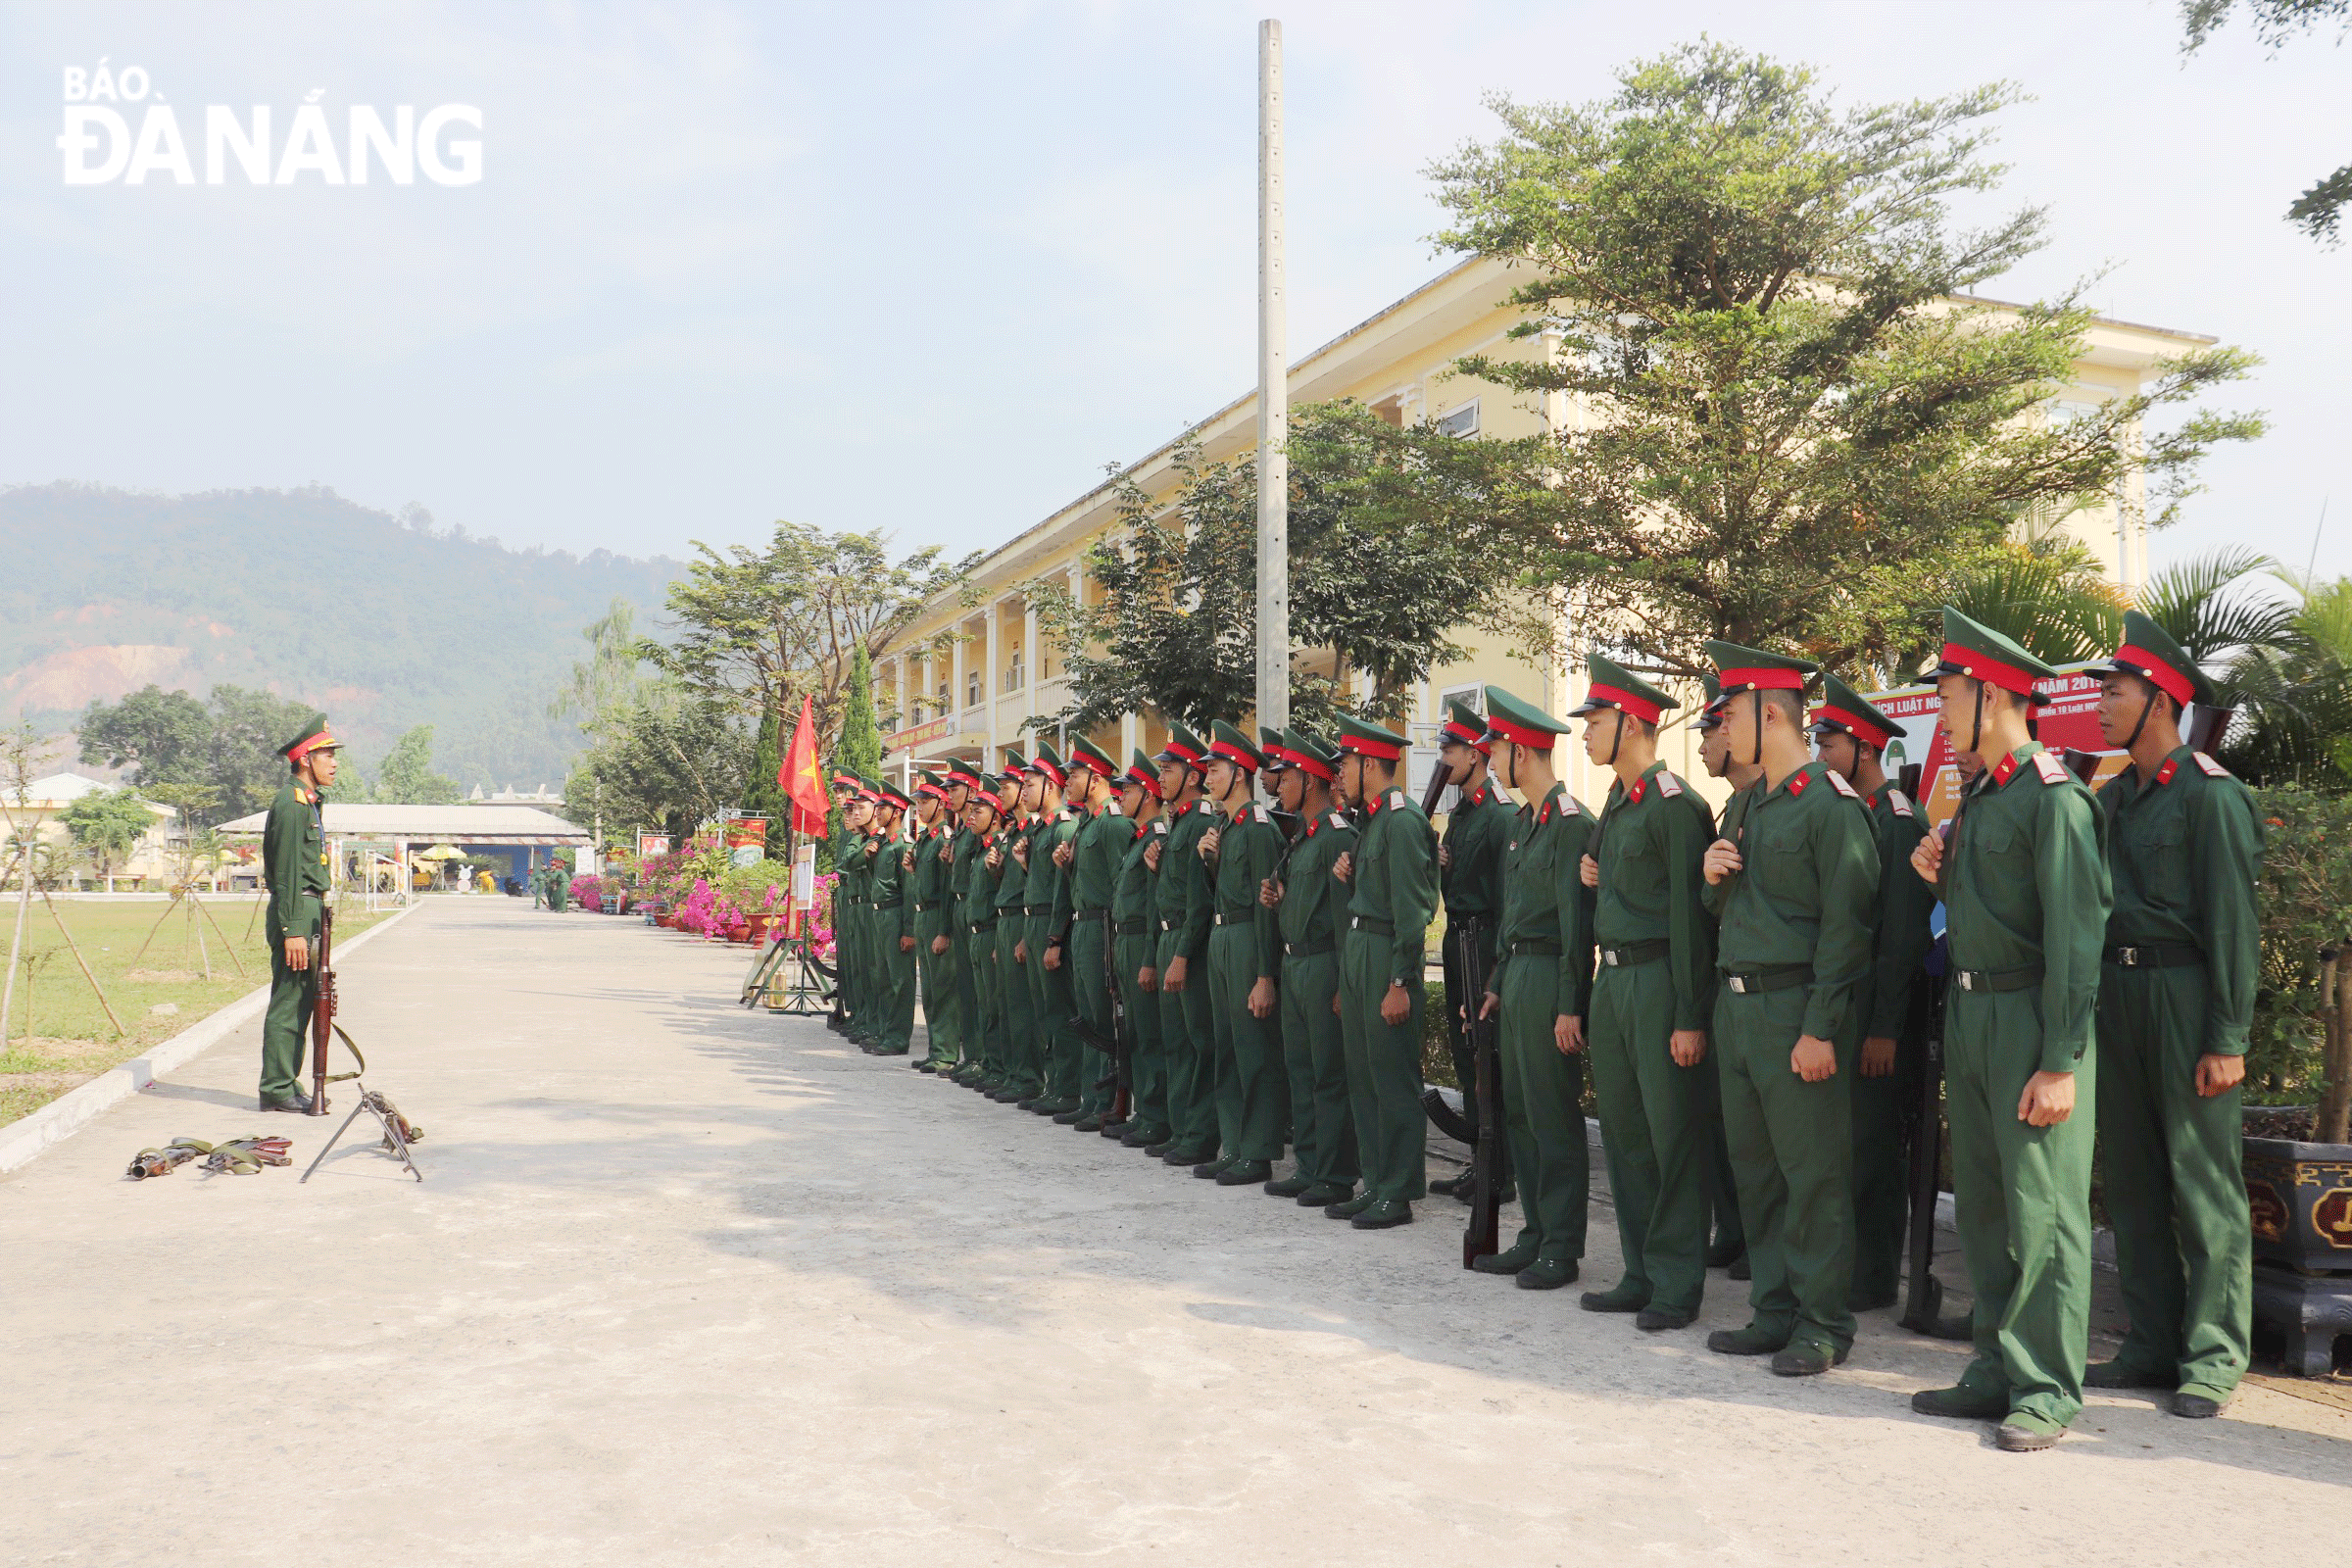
[[2301, 1200]]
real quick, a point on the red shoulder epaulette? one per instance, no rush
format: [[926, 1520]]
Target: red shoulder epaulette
[[2209, 767], [2052, 770]]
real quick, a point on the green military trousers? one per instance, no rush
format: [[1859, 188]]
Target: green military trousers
[[1458, 1031], [1088, 958], [1253, 1090], [1146, 1061], [1792, 1147], [1049, 994], [895, 1036], [848, 959], [1543, 1110], [1384, 1069], [983, 1033], [1024, 1066], [1187, 1039], [1882, 1171], [1322, 1121], [293, 995], [2183, 1241], [943, 1006], [962, 973], [2022, 1198], [1653, 1130]]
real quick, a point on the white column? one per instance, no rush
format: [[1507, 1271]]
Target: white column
[[1273, 397], [988, 680], [903, 709], [955, 675]]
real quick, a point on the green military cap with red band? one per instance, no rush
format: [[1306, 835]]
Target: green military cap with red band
[[314, 738], [1752, 670], [1140, 771], [1462, 726], [1227, 744], [1049, 765], [1841, 707], [2150, 651], [1612, 685], [1304, 752], [1087, 755], [1521, 722], [1183, 747], [1370, 740], [1982, 653]]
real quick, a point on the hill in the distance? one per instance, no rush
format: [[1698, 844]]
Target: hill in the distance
[[383, 621]]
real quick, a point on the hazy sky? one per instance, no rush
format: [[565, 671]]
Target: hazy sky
[[929, 268]]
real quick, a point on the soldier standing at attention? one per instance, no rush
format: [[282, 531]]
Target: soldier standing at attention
[[1470, 879], [1851, 735], [976, 908], [1024, 1067], [294, 870], [1187, 1035], [1541, 988], [956, 854], [1798, 918], [1090, 858], [1048, 975], [1728, 1250], [1392, 877], [2025, 896], [1304, 900], [838, 836], [1244, 955], [849, 910], [930, 919], [2182, 959], [1653, 997], [1134, 928], [894, 927]]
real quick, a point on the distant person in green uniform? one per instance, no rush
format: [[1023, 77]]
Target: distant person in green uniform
[[1851, 736], [1539, 992], [559, 886], [893, 939], [839, 836], [539, 889], [1392, 875], [1245, 961], [1304, 900], [930, 919], [1470, 858], [1800, 914], [1187, 1036], [1135, 922], [854, 937], [2181, 960], [1090, 858], [2025, 890], [1728, 1250], [1048, 977], [295, 872], [1653, 994]]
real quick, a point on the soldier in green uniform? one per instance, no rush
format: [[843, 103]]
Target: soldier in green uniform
[[1025, 1062], [1728, 1250], [1253, 1090], [976, 908], [850, 910], [1541, 988], [1851, 736], [893, 935], [1306, 899], [1135, 927], [1391, 876], [928, 921], [1090, 858], [956, 958], [1187, 1036], [1652, 998], [839, 836], [2181, 960], [1799, 912], [1049, 978], [1470, 879], [2026, 896], [559, 886], [294, 870]]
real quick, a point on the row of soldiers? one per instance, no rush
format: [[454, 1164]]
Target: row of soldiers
[[1749, 993]]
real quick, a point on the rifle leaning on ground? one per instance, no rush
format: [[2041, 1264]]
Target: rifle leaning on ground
[[1481, 1236]]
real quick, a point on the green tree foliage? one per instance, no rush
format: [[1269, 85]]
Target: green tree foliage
[[1384, 570], [659, 757], [859, 747], [406, 777], [1789, 424], [226, 745], [2293, 693], [107, 826], [2306, 940], [760, 795], [2317, 211]]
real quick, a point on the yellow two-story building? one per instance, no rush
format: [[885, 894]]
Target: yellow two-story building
[[968, 676]]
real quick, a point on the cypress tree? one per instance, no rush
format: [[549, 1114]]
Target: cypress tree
[[860, 748], [761, 796]]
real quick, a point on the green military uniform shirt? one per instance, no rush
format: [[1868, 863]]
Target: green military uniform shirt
[[1544, 896], [1476, 831], [1807, 893], [1395, 879], [1308, 919], [1905, 905], [2185, 852], [1651, 841], [294, 858]]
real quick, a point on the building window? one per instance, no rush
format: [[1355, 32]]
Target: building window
[[971, 689], [1459, 422], [1015, 674]]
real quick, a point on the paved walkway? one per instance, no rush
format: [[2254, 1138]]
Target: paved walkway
[[687, 1285]]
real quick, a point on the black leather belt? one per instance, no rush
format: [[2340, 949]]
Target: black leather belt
[[1037, 908], [2024, 979], [978, 926], [1091, 914], [1372, 923], [925, 908], [1539, 948], [1633, 952], [1305, 950], [1168, 925], [2156, 955], [1238, 917], [1133, 926], [1779, 977]]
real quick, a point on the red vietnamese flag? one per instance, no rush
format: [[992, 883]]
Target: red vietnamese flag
[[796, 776]]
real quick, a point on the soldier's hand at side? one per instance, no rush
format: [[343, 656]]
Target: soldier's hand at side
[[1687, 1047], [2048, 1099], [1174, 980], [1334, 1005], [1488, 1006], [1020, 952], [1269, 893], [298, 952], [1926, 857], [1343, 868], [1261, 998], [1445, 856], [1395, 1007], [2218, 1075], [1151, 853], [1146, 979], [1814, 1060], [1052, 955], [1568, 1032], [1587, 872], [906, 944], [939, 945], [1723, 859], [1064, 852], [1878, 1057]]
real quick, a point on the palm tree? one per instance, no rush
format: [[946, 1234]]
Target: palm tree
[[2294, 692], [2048, 594]]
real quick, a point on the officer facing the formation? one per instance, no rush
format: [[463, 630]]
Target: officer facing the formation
[[1851, 736], [1392, 877], [1799, 912], [294, 868], [1305, 899], [1541, 988], [2181, 961], [1091, 858], [1728, 1250], [1470, 879], [893, 933], [1187, 1035], [1135, 927], [1652, 998], [2025, 898], [1252, 1089]]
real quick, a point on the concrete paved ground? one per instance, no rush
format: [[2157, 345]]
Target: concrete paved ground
[[689, 1285]]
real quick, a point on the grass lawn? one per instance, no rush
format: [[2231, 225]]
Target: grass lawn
[[57, 1036]]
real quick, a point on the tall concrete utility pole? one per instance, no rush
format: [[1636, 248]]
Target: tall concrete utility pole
[[1273, 398]]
